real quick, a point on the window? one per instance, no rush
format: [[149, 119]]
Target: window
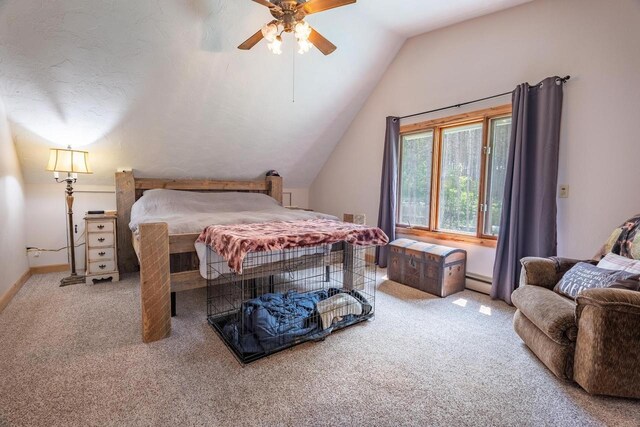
[[415, 188], [452, 175], [460, 178], [499, 135]]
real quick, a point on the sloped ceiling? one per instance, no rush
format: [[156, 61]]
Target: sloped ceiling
[[159, 86]]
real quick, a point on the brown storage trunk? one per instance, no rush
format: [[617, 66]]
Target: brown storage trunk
[[436, 269]]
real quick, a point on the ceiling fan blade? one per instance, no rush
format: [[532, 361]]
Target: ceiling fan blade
[[323, 45], [265, 3], [315, 6], [251, 41]]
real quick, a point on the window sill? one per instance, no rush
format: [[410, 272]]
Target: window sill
[[439, 235]]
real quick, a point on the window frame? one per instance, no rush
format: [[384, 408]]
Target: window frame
[[437, 126], [399, 180]]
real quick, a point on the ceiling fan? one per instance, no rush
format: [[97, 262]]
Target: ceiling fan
[[289, 18]]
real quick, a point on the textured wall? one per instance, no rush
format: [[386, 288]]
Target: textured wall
[[13, 258], [159, 86], [595, 42]]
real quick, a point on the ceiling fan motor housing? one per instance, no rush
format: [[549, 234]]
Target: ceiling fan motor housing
[[289, 13]]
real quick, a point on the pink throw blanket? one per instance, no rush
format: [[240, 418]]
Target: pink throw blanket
[[233, 242]]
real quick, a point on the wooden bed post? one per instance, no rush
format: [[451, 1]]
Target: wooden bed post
[[274, 186], [155, 281], [125, 197], [354, 258]]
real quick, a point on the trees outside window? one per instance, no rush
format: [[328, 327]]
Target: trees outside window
[[452, 174], [415, 188]]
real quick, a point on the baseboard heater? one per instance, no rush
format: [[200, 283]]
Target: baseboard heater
[[478, 283]]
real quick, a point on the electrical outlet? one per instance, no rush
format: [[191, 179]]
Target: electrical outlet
[[563, 191]]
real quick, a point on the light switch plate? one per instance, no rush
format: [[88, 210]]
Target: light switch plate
[[563, 191]]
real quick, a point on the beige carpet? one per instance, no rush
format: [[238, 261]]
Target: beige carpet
[[73, 356]]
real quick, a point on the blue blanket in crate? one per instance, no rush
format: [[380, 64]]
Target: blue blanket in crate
[[275, 320]]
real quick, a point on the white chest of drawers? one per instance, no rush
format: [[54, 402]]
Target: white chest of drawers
[[101, 254]]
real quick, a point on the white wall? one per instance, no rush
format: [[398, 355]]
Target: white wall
[[596, 42], [13, 259], [47, 217]]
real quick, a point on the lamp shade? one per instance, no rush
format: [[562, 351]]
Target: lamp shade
[[67, 160]]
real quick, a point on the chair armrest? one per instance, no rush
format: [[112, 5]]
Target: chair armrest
[[545, 272], [609, 299], [608, 344], [538, 272]]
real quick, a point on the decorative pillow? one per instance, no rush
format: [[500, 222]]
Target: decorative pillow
[[612, 261], [611, 240], [632, 284], [625, 240], [586, 276]]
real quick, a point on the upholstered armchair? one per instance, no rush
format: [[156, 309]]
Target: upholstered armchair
[[594, 341]]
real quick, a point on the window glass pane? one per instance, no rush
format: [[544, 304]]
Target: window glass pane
[[499, 135], [460, 178], [415, 179]]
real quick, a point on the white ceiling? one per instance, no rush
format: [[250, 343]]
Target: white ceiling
[[159, 86], [409, 18]]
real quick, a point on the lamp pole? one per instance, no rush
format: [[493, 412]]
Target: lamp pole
[[74, 278]]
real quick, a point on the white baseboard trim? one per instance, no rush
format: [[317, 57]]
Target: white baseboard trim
[[478, 283]]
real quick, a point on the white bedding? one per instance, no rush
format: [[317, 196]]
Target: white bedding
[[191, 212]]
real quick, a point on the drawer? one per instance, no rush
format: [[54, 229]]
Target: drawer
[[101, 267], [99, 226], [100, 239], [101, 254]]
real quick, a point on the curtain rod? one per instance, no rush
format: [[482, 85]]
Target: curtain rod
[[562, 79]]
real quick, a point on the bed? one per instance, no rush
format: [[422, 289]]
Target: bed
[[187, 212], [160, 243]]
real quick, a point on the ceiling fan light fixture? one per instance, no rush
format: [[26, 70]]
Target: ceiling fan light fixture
[[289, 18], [303, 46], [302, 31], [270, 31], [276, 45]]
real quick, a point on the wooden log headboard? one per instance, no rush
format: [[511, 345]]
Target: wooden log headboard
[[129, 189]]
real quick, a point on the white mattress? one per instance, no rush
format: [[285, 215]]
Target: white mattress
[[190, 212]]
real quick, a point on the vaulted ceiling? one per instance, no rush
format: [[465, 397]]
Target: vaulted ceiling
[[159, 86]]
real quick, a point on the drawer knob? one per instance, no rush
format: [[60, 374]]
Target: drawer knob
[[102, 266], [102, 253], [101, 239], [100, 227]]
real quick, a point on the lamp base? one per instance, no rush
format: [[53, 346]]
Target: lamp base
[[71, 280]]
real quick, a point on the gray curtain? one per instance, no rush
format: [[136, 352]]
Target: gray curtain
[[528, 222], [388, 187]]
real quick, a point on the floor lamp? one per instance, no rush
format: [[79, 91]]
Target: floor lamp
[[71, 162]]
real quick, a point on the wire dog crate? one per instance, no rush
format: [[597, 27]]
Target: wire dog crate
[[286, 297]]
